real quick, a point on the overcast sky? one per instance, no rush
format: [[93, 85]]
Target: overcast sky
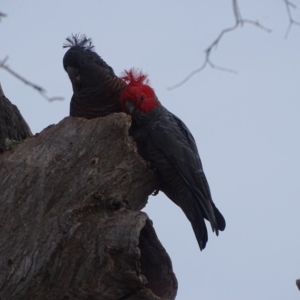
[[246, 125]]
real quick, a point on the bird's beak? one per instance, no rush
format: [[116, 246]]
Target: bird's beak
[[129, 107], [73, 74]]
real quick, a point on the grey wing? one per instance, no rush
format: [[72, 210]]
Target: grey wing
[[174, 139], [12, 124]]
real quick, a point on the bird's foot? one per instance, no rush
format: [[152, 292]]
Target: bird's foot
[[11, 144]]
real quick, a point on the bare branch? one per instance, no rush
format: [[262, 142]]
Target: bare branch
[[239, 21], [213, 66], [290, 5], [2, 15], [207, 61], [38, 88], [255, 23]]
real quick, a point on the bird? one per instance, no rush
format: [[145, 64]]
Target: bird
[[96, 88], [167, 144], [13, 127]]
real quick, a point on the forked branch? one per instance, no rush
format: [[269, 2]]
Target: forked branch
[[292, 22], [38, 88], [239, 22]]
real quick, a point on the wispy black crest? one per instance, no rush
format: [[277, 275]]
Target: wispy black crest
[[79, 40]]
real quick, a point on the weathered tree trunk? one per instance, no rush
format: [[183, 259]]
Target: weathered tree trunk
[[70, 225]]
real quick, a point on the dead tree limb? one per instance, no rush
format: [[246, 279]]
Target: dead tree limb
[[70, 225], [2, 15], [239, 22], [36, 87], [289, 5]]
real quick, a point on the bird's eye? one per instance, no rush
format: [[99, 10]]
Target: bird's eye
[[83, 62], [142, 98]]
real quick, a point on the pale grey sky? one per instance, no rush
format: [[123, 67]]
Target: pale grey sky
[[246, 125]]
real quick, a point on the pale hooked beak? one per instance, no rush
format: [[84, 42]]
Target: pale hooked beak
[[129, 107], [73, 74]]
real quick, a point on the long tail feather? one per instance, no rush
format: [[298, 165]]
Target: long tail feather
[[200, 231]]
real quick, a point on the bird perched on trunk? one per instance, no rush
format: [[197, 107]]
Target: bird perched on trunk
[[96, 88], [166, 142], [13, 127]]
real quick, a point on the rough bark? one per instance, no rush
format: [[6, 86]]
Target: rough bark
[[13, 127], [70, 225]]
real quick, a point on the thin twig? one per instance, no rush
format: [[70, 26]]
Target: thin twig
[[40, 89], [2, 15], [239, 21], [288, 6]]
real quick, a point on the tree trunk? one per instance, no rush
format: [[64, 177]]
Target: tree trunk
[[70, 224]]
